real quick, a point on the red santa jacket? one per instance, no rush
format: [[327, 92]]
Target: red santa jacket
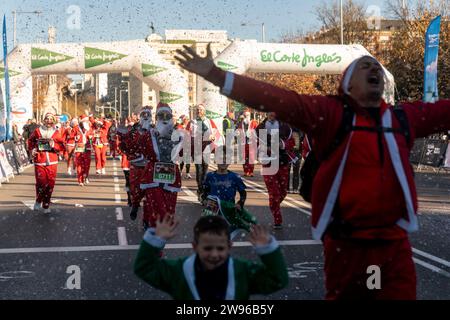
[[82, 138], [374, 192], [100, 135], [286, 143], [130, 145], [151, 153], [46, 158], [68, 138]]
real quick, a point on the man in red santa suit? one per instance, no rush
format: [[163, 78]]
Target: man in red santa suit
[[247, 139], [70, 145], [100, 143], [83, 148], [162, 180], [277, 182], [45, 143], [131, 147]]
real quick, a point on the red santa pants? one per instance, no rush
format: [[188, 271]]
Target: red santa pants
[[45, 182], [158, 202], [248, 166], [69, 156], [100, 157], [137, 194], [347, 275], [83, 164], [277, 186]]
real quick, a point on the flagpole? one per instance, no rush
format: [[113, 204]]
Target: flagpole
[[7, 93]]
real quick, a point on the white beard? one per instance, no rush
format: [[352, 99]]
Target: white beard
[[47, 132], [164, 128], [272, 126], [247, 120], [145, 124], [85, 125]]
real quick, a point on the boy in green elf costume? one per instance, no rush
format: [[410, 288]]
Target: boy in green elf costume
[[211, 273]]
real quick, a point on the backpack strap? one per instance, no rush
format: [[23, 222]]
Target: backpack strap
[[345, 127], [400, 114]]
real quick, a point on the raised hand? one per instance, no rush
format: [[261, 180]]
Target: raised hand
[[165, 227], [192, 62], [259, 236]]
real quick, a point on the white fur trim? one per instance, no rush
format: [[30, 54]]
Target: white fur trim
[[412, 224], [327, 210], [268, 248], [152, 239]]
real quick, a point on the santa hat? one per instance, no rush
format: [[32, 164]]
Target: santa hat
[[98, 121], [347, 75], [73, 122], [84, 118], [50, 115], [163, 107], [146, 109]]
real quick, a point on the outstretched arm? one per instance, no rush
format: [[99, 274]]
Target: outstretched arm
[[302, 111]]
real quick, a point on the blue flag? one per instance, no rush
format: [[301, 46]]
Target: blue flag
[[7, 94], [430, 87]]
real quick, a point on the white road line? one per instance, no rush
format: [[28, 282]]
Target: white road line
[[188, 198], [189, 192], [135, 247], [116, 188], [431, 267], [118, 198], [431, 257], [116, 179], [122, 235], [119, 214]]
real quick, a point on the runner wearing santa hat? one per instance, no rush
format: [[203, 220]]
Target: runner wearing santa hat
[[100, 143], [162, 180], [131, 147], [44, 144], [83, 148], [70, 145]]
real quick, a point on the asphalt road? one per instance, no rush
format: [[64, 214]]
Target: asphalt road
[[89, 228]]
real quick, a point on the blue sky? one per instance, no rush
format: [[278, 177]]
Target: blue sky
[[130, 19]]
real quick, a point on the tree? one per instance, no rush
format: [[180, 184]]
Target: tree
[[406, 58]]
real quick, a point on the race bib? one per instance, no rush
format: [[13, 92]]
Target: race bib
[[212, 207], [44, 145], [164, 172], [99, 145], [80, 148], [97, 135]]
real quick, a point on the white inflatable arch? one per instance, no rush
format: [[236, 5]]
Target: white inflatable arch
[[248, 55], [136, 57]]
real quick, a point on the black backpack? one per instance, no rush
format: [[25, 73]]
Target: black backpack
[[312, 163]]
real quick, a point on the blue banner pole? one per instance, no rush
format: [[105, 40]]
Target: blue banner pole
[[7, 92], [430, 85]]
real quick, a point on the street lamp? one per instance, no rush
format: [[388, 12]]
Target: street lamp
[[120, 102], [342, 23], [129, 98], [15, 22], [263, 30]]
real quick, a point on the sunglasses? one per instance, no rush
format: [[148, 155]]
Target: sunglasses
[[164, 116]]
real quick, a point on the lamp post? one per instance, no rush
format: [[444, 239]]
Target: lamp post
[[263, 30], [120, 102], [342, 22], [15, 22], [129, 97]]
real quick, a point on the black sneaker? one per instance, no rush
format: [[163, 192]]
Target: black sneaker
[[145, 225], [133, 213], [277, 226]]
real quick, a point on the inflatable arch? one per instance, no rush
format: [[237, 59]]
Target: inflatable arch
[[136, 57], [248, 55]]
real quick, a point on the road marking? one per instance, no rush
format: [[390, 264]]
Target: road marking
[[116, 188], [122, 235], [189, 192], [116, 179], [118, 198], [29, 203], [119, 214], [135, 247], [188, 198], [431, 257], [431, 267]]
